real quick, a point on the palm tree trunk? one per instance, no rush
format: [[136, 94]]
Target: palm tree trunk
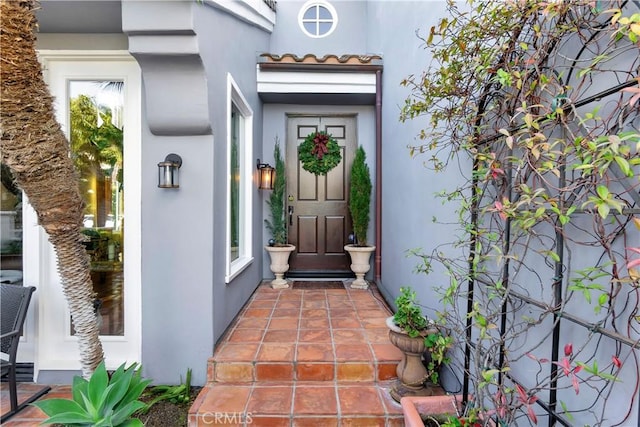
[[38, 154]]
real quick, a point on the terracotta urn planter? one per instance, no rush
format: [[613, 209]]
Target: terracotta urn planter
[[412, 374], [360, 256], [279, 264]]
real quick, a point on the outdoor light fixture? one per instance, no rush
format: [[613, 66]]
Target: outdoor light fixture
[[267, 175], [168, 171]]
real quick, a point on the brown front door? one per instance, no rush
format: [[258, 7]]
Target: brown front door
[[318, 214]]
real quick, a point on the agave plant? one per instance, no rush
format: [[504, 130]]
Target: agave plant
[[102, 401]]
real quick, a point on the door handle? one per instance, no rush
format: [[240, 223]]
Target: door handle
[[290, 215]]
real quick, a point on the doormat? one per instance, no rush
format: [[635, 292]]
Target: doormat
[[317, 284]]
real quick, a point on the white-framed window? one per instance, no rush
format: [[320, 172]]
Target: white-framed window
[[239, 181], [97, 95], [317, 18]]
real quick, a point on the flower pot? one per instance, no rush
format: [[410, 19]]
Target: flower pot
[[412, 374], [279, 264], [360, 256], [415, 407]]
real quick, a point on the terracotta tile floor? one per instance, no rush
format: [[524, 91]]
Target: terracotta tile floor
[[292, 358], [302, 358], [29, 416]]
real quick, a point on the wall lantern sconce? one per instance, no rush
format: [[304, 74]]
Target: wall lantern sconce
[[267, 176], [168, 171]]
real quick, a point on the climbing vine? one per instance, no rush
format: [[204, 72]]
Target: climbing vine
[[541, 98]]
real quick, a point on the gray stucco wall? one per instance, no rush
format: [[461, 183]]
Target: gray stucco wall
[[349, 37], [187, 305], [408, 188], [177, 224], [229, 45]]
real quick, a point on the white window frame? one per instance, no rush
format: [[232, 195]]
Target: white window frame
[[315, 3], [53, 350], [245, 156]]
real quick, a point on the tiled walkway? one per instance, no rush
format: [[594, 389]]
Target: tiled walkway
[[293, 358], [29, 416], [303, 358]]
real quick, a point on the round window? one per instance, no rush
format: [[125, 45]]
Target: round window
[[317, 18]]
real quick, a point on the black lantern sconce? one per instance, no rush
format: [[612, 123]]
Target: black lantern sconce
[[168, 171], [267, 176]]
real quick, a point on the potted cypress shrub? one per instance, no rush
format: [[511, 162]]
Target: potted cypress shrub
[[359, 206], [278, 248]]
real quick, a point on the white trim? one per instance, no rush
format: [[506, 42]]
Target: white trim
[[315, 82], [245, 258], [315, 3], [254, 12], [60, 352]]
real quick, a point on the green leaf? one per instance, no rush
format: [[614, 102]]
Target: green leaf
[[89, 406], [78, 388], [554, 256], [71, 418], [624, 166], [56, 406], [115, 377], [602, 300], [603, 210], [97, 385], [124, 413], [603, 192], [117, 390], [134, 392], [133, 422]]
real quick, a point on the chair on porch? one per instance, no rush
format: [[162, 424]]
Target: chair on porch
[[14, 302]]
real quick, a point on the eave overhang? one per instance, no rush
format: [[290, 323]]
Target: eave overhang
[[332, 79]]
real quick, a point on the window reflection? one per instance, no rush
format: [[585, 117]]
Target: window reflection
[[96, 137], [234, 187], [10, 229]]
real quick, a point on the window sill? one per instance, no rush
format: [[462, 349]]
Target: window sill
[[237, 267]]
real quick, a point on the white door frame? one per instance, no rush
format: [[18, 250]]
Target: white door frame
[[55, 348]]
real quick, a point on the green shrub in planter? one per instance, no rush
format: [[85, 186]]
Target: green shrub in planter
[[101, 401], [277, 225], [360, 196]]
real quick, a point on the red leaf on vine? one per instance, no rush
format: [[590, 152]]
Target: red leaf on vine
[[565, 365], [568, 349], [616, 362], [500, 208], [635, 97], [532, 415]]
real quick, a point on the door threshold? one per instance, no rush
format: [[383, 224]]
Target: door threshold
[[319, 275]]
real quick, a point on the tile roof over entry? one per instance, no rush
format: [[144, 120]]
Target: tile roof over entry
[[345, 62], [309, 79]]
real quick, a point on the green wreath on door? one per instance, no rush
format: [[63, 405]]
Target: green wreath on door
[[319, 153]]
